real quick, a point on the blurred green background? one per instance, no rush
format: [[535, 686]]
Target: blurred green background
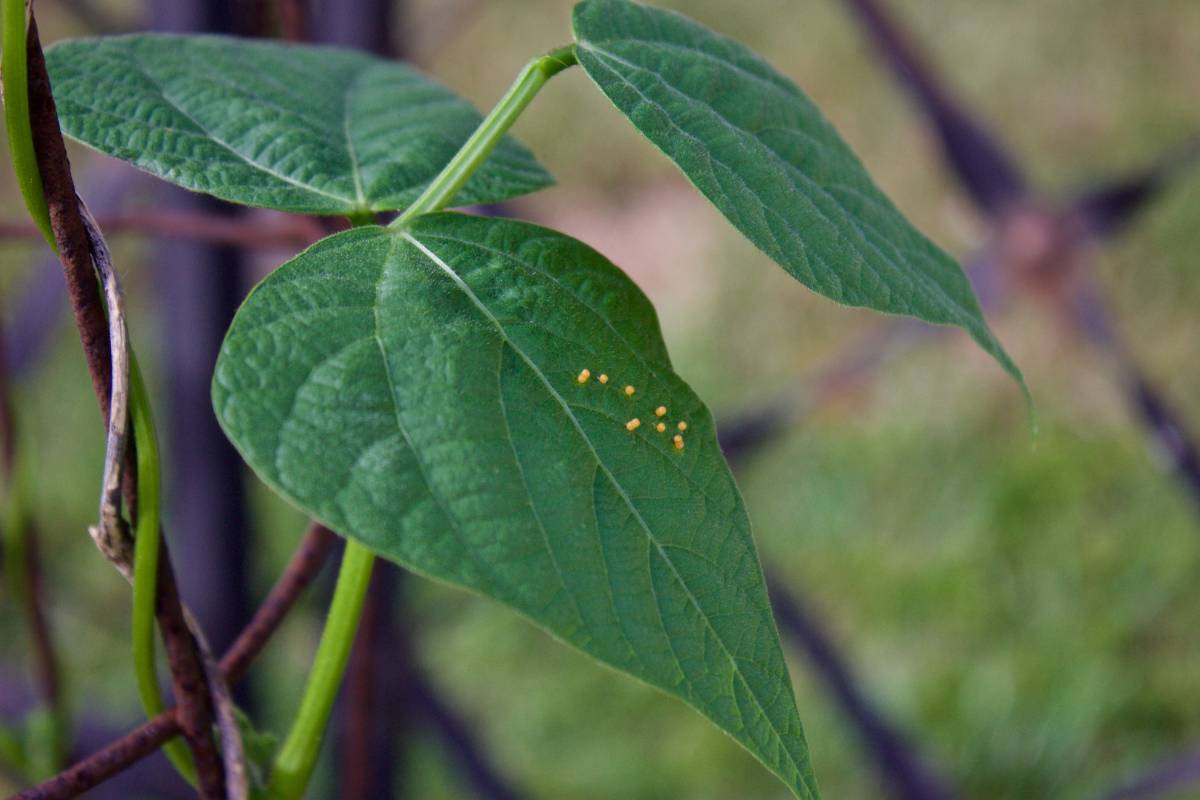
[[1025, 606]]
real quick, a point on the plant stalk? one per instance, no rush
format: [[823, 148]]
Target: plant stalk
[[483, 141], [147, 545], [148, 737], [298, 756]]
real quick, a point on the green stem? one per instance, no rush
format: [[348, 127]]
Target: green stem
[[16, 116], [147, 544], [294, 764], [483, 141]]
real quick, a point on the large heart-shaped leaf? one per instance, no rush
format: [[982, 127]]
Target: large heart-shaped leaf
[[750, 140], [418, 390], [307, 129]]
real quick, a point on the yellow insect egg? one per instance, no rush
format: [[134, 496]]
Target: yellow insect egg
[[660, 427], [661, 411], [584, 375], [603, 378], [633, 424], [682, 426], [678, 442], [629, 390]]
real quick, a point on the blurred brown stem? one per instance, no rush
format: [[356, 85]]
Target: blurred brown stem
[[148, 737], [284, 232], [363, 761]]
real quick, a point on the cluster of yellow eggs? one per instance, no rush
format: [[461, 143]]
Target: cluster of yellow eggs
[[632, 425]]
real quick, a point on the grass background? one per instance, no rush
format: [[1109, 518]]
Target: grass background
[[1024, 606]]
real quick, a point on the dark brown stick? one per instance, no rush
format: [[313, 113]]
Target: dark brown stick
[[143, 740], [285, 232], [102, 765], [989, 174], [195, 709], [74, 248], [75, 251]]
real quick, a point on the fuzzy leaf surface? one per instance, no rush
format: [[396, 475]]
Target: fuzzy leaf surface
[[300, 128], [418, 390]]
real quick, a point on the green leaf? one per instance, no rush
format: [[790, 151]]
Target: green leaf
[[259, 747], [756, 147], [308, 129], [417, 390]]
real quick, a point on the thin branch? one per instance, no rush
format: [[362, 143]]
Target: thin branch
[[1167, 430], [74, 248], [233, 753], [36, 312], [148, 737], [286, 231], [1106, 209], [103, 764], [1164, 428], [990, 175], [189, 680]]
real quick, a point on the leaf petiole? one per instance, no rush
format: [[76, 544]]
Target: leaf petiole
[[147, 545], [483, 141], [296, 758]]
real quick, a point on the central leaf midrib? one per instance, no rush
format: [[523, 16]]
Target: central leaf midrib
[[416, 454], [463, 287], [355, 168]]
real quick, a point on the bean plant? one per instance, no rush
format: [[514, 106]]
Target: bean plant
[[484, 401]]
